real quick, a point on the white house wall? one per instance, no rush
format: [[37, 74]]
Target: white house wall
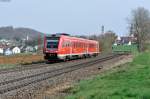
[[16, 50], [1, 51]]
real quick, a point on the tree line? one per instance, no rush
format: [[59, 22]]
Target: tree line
[[139, 24]]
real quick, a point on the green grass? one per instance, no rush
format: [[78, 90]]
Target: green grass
[[131, 81], [6, 66], [125, 48]]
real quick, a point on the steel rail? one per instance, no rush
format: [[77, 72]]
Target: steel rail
[[49, 74]]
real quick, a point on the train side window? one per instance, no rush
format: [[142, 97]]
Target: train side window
[[82, 45], [75, 45], [69, 44], [72, 44], [79, 44], [66, 44], [63, 44]]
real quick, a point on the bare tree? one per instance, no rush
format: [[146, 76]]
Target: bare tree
[[106, 40], [140, 26]]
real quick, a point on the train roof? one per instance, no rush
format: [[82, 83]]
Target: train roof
[[78, 38], [57, 35], [68, 36]]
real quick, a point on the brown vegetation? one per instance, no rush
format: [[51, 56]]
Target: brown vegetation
[[20, 59]]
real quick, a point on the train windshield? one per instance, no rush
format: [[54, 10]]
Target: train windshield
[[52, 42]]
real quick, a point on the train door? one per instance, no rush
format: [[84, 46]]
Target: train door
[[71, 45], [87, 48]]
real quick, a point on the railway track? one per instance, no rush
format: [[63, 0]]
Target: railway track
[[17, 83], [29, 67], [34, 66]]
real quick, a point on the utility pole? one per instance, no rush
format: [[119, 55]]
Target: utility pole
[[102, 29], [131, 29]]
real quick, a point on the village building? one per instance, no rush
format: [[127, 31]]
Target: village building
[[36, 47], [127, 40], [7, 52], [1, 50], [29, 49], [15, 50]]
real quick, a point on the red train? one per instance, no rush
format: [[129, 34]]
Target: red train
[[65, 47]]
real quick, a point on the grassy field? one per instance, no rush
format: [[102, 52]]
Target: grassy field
[[125, 48], [12, 61], [130, 81]]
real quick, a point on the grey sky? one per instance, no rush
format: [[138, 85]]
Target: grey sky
[[69, 16]]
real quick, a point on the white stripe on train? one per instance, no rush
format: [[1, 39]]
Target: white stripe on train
[[63, 56]]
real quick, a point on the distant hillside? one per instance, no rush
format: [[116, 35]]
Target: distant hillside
[[21, 33]]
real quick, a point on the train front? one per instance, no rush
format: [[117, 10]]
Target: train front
[[51, 47]]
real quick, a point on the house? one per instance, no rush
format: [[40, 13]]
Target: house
[[15, 50], [128, 40], [29, 49], [22, 48], [1, 51], [36, 47], [7, 52], [5, 42]]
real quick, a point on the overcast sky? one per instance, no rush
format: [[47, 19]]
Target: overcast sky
[[69, 16]]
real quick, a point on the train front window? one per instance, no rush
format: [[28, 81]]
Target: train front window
[[52, 42]]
